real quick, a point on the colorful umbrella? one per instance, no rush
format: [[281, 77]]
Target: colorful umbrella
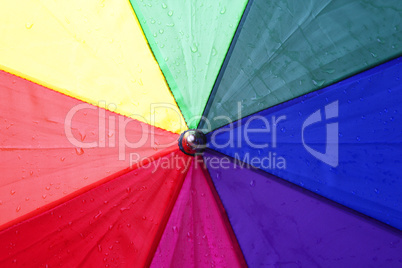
[[294, 150]]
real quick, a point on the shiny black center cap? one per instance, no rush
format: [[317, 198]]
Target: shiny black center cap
[[192, 141]]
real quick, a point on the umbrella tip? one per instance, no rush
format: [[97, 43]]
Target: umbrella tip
[[192, 141]]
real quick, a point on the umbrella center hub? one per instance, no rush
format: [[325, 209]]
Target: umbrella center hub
[[192, 141]]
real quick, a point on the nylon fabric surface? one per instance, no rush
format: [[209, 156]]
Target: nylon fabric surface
[[91, 50], [116, 224], [53, 147], [343, 142]]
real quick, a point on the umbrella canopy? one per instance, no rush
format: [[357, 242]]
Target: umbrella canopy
[[293, 152]]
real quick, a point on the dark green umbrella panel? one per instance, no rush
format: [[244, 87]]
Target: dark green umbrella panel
[[288, 48]]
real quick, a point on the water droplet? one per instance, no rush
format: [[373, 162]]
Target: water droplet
[[374, 55], [174, 228], [47, 188], [62, 159], [318, 83], [164, 6], [223, 10], [82, 136], [252, 183], [18, 208], [170, 13], [358, 138], [98, 215], [194, 48], [44, 196], [376, 191], [330, 71], [29, 25], [79, 151], [12, 192], [214, 52], [161, 31]]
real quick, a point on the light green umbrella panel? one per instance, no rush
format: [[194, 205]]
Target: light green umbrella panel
[[190, 40]]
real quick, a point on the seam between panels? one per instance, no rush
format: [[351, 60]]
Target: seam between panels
[[83, 100], [225, 62], [86, 189], [302, 190], [222, 210], [157, 55], [164, 224], [309, 95]]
